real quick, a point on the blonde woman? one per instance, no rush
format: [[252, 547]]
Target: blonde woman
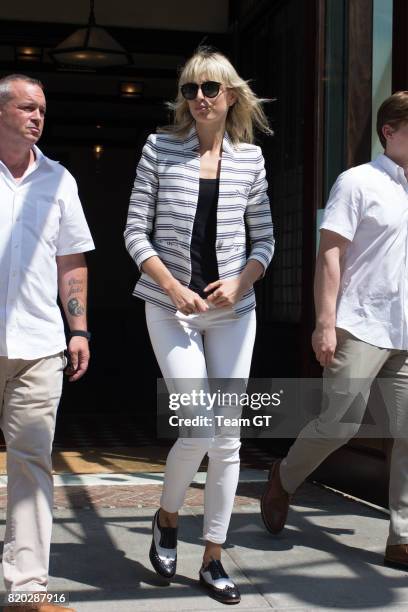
[[199, 184]]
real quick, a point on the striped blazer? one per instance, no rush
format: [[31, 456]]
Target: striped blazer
[[163, 205]]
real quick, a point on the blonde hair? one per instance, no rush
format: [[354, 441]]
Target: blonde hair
[[243, 116]]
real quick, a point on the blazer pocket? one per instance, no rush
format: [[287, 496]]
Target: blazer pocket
[[243, 192], [239, 243], [162, 242]]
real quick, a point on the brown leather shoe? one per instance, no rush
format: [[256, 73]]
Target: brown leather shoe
[[37, 607], [274, 502], [396, 555]]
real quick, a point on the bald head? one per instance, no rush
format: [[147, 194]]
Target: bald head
[[7, 89], [22, 113]]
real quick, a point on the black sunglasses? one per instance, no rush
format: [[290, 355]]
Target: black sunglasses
[[210, 89]]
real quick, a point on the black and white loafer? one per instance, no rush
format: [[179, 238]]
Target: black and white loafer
[[217, 582], [163, 551]]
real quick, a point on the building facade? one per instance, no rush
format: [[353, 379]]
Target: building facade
[[325, 65]]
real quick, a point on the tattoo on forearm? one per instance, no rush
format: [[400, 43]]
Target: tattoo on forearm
[[75, 286], [75, 308]]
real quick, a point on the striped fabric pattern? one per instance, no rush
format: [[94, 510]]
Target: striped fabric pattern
[[163, 205]]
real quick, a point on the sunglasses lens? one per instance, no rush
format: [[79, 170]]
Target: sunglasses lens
[[189, 91], [210, 89]]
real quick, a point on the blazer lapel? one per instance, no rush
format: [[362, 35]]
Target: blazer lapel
[[227, 158], [191, 171], [192, 177]]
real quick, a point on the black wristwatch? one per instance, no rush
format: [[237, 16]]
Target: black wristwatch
[[80, 332]]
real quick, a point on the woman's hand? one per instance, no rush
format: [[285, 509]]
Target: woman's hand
[[225, 293], [185, 300]]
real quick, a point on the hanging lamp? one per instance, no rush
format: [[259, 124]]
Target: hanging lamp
[[91, 47]]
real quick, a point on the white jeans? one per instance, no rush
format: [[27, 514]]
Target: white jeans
[[29, 395], [214, 344]]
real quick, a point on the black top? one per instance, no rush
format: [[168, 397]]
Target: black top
[[204, 267]]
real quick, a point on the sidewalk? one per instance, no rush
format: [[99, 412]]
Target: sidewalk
[[329, 556]]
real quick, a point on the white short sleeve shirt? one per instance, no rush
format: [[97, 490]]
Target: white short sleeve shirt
[[40, 217], [368, 205]]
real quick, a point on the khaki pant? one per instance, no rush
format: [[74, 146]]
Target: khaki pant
[[29, 395], [348, 378]]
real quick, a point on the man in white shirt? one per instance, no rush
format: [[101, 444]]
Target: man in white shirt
[[361, 299], [43, 235]]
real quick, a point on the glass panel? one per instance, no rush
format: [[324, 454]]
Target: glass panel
[[335, 92], [272, 55], [382, 63]]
